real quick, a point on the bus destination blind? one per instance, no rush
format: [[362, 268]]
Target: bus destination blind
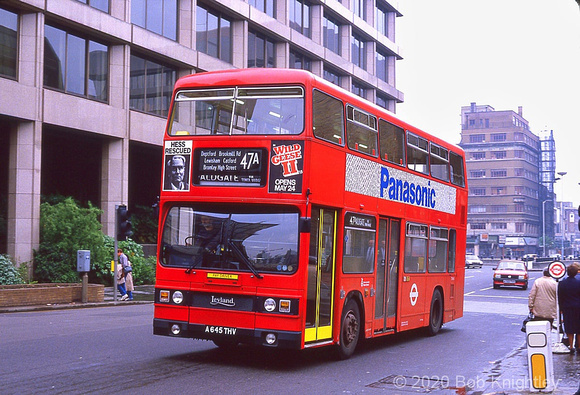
[[229, 166]]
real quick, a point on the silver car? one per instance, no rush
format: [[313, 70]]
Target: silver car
[[473, 261]]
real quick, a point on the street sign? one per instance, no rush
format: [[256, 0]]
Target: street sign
[[557, 270]]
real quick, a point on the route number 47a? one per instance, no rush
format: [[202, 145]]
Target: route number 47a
[[250, 160]]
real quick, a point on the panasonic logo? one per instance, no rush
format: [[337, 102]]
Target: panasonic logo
[[407, 192]]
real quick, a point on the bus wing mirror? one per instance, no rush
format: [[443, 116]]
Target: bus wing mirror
[[304, 225]]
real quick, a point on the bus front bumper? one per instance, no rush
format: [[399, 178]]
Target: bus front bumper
[[260, 337]]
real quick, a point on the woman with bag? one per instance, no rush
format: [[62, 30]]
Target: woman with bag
[[129, 279], [127, 273], [121, 282]]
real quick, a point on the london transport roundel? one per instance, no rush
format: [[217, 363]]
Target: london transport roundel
[[557, 270], [414, 294]]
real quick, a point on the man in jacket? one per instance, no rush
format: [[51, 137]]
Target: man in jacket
[[542, 299]]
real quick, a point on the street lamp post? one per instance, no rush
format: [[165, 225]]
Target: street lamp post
[[544, 226], [562, 174]]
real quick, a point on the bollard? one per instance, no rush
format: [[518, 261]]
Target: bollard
[[540, 362]]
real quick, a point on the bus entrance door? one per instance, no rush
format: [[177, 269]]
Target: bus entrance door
[[387, 272], [321, 263]]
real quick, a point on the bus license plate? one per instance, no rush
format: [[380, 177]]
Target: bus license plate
[[220, 330]]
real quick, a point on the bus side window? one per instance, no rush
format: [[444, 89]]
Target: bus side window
[[439, 162], [416, 248], [456, 163], [391, 143], [361, 131], [452, 251], [417, 153], [327, 118]]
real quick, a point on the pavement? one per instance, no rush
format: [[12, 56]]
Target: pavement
[[508, 375], [143, 294]]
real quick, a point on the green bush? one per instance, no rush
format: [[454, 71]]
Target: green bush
[[65, 228], [8, 272]]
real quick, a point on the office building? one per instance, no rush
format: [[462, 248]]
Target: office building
[[85, 85], [502, 157]]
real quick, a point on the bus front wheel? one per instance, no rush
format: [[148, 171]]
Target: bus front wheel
[[435, 314], [349, 330]]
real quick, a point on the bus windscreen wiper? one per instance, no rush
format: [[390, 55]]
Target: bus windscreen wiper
[[243, 258]]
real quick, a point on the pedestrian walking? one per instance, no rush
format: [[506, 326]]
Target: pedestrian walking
[[542, 298], [121, 282], [569, 301], [129, 280]]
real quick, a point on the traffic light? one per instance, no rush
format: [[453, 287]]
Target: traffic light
[[123, 223]]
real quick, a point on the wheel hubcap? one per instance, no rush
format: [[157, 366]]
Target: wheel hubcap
[[350, 328]]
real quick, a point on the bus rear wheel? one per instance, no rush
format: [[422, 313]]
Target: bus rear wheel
[[349, 330], [435, 314]]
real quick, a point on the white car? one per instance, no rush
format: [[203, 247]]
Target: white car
[[473, 261]]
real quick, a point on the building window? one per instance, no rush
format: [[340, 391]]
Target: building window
[[478, 155], [519, 227], [499, 208], [358, 52], [331, 76], [268, 7], [478, 226], [500, 155], [331, 33], [8, 43], [477, 191], [157, 16], [300, 16], [477, 138], [359, 89], [498, 225], [496, 137], [498, 173], [382, 101], [498, 190], [382, 21], [477, 174], [151, 86], [477, 209], [382, 67], [75, 65], [102, 5], [260, 50], [299, 61], [214, 34], [358, 8]]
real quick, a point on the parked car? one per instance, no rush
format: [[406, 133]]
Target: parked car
[[473, 261], [511, 273]]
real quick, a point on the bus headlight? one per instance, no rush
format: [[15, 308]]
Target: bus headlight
[[177, 297], [269, 305]]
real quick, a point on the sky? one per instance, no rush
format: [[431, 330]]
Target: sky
[[502, 53]]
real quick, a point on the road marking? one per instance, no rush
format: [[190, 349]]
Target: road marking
[[497, 296]]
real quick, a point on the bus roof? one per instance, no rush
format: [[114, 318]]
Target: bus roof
[[266, 76]]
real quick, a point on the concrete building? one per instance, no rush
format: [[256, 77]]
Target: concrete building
[[85, 85], [502, 157]]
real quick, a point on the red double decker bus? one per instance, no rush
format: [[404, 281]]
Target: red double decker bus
[[295, 214]]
